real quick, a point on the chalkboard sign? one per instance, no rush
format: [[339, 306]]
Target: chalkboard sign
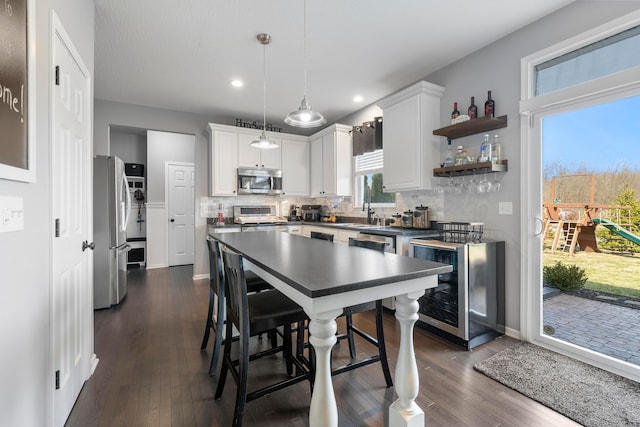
[[14, 97]]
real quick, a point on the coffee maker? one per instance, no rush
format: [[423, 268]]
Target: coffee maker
[[311, 213]]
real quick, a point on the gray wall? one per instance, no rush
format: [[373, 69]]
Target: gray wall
[[26, 382], [129, 145], [497, 68]]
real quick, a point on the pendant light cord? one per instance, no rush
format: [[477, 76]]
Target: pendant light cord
[[304, 45], [264, 89]]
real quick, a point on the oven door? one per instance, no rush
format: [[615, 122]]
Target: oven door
[[446, 306]]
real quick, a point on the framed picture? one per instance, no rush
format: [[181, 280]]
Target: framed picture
[[17, 90]]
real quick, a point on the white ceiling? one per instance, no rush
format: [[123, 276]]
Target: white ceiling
[[182, 55]]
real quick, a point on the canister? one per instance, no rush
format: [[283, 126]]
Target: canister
[[421, 217]]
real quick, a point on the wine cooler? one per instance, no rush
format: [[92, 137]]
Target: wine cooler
[[467, 306]]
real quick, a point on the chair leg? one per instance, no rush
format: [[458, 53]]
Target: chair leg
[[218, 339], [209, 324], [226, 362], [287, 348], [243, 376], [382, 350], [352, 344]]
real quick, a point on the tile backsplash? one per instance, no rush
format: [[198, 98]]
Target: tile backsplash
[[341, 206]]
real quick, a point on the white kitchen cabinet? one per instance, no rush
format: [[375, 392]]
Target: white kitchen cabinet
[[344, 235], [223, 161], [411, 151], [251, 157], [295, 167], [331, 172]]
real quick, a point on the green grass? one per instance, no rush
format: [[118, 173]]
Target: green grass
[[606, 272]]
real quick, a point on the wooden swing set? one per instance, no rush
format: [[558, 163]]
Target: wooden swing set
[[571, 224]]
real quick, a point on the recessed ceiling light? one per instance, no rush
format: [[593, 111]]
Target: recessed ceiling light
[[236, 83], [358, 98]]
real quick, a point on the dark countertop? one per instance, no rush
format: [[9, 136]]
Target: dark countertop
[[364, 228], [319, 268]]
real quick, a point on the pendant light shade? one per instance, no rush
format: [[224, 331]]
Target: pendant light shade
[[304, 117], [263, 142]]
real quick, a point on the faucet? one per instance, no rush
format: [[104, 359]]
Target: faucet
[[370, 212]]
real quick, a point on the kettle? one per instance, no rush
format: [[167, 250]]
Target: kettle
[[421, 217]]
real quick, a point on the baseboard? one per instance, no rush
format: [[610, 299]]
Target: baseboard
[[94, 363], [150, 267], [200, 276], [512, 333]]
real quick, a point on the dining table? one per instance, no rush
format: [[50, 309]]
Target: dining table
[[323, 278]]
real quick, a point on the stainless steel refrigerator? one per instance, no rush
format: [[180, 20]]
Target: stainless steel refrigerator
[[111, 208]]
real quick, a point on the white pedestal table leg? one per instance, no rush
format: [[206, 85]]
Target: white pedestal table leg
[[404, 411], [322, 336]]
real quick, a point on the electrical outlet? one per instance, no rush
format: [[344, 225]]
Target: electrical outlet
[[11, 214], [505, 208]]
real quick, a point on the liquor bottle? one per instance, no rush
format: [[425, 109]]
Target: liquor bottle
[[455, 113], [472, 111], [496, 152], [485, 150], [461, 156], [489, 106], [449, 159]]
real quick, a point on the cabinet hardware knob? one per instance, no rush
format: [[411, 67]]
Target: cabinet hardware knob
[[172, 220]]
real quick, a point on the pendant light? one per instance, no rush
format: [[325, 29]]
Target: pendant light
[[304, 117], [263, 142]]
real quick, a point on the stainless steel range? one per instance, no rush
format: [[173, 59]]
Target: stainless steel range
[[467, 306], [255, 218]]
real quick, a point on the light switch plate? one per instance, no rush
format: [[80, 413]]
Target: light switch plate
[[505, 208], [11, 214]]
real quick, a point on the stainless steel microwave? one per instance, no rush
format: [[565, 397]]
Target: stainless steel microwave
[[259, 181]]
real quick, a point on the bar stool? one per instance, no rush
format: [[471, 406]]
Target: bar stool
[[216, 291], [252, 315], [378, 341]]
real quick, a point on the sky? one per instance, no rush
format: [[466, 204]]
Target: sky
[[599, 138]]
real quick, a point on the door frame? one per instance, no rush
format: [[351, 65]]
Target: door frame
[[58, 31], [532, 111], [167, 210]]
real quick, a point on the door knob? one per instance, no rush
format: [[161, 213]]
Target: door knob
[[86, 245]]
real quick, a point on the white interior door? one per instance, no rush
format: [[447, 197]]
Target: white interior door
[[181, 193], [72, 264]]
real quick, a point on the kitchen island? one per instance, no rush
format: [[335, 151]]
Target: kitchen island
[[324, 278]]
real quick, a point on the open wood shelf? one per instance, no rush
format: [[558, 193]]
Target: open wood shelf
[[472, 127], [471, 169]]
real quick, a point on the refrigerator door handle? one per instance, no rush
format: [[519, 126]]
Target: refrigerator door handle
[[126, 207]]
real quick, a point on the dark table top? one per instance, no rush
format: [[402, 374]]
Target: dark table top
[[319, 268]]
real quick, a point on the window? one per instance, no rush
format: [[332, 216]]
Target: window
[[368, 181], [616, 53]]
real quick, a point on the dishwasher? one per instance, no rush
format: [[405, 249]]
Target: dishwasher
[[390, 247]]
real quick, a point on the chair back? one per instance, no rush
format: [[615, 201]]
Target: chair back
[[216, 271], [322, 236], [368, 244], [236, 290]]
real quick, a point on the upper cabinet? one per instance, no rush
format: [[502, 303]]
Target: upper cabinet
[[410, 149], [251, 157], [331, 173], [229, 149], [295, 166], [223, 160]]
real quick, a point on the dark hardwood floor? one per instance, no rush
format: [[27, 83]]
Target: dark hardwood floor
[[152, 372]]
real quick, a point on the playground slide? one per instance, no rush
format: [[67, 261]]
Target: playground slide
[[620, 231]]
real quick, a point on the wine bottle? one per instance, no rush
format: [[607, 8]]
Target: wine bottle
[[455, 113], [489, 106], [472, 111]]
